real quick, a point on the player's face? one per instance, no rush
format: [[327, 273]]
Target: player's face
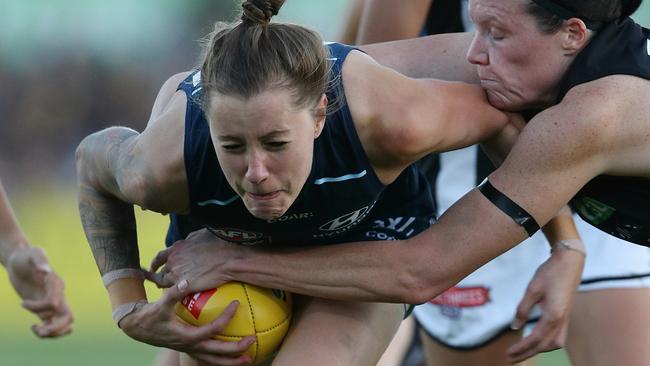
[[519, 66], [265, 147]]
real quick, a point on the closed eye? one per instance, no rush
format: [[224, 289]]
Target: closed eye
[[276, 145], [232, 147]]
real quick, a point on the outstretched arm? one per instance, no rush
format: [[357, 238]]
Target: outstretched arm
[[441, 56], [556, 154], [40, 288], [414, 117]]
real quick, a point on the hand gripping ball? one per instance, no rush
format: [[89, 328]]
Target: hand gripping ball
[[265, 313]]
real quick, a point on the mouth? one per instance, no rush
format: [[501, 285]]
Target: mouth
[[263, 196], [487, 82]]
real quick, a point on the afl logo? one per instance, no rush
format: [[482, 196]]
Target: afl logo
[[346, 220], [238, 236]]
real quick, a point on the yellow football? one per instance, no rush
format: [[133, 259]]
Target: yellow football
[[264, 313]]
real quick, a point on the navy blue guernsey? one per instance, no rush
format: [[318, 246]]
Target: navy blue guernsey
[[342, 200], [614, 204]]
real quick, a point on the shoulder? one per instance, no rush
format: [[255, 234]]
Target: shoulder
[[161, 147], [592, 123], [614, 112], [606, 109]]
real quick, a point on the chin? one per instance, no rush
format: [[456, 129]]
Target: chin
[[267, 213], [500, 102]]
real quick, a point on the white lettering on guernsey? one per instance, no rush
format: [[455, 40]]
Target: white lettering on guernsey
[[372, 234], [295, 216], [341, 178], [648, 47], [392, 223], [217, 202]]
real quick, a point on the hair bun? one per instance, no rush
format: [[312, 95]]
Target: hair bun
[[260, 11]]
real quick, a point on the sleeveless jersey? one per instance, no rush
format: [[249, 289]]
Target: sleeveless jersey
[[616, 205], [341, 201]]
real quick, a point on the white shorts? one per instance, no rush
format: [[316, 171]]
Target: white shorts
[[482, 306]]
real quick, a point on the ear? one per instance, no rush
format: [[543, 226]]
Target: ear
[[574, 36], [320, 113]]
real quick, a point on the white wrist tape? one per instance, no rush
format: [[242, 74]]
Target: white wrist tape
[[570, 244], [125, 309], [117, 274]]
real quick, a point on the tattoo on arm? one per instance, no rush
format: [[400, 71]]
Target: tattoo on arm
[[105, 167]]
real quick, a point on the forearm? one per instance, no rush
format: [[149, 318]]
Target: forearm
[[409, 271], [342, 272], [106, 215], [439, 57], [109, 225], [561, 227], [11, 236]]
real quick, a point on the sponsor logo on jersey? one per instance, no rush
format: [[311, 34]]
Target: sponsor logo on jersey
[[463, 297], [344, 223], [346, 220], [194, 303], [290, 217], [648, 47], [593, 211], [238, 236]]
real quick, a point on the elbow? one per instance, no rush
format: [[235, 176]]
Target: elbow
[[422, 286], [83, 159], [416, 136]]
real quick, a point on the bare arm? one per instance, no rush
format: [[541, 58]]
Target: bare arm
[[352, 20], [563, 144], [11, 236], [388, 20], [440, 56], [40, 288], [414, 117], [118, 168]]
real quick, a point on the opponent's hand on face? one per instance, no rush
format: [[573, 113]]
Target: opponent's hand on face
[[42, 291], [156, 323], [552, 288], [198, 259]]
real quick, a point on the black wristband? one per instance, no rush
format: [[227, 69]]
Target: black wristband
[[509, 207]]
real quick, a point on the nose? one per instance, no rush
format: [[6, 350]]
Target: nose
[[256, 171], [477, 53]]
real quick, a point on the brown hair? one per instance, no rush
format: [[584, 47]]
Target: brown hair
[[598, 11], [248, 56]]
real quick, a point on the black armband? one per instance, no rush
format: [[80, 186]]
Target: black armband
[[509, 207]]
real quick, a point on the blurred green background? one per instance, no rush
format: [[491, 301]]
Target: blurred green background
[[71, 67]]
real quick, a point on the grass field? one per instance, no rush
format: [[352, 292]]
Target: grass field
[[50, 219]]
